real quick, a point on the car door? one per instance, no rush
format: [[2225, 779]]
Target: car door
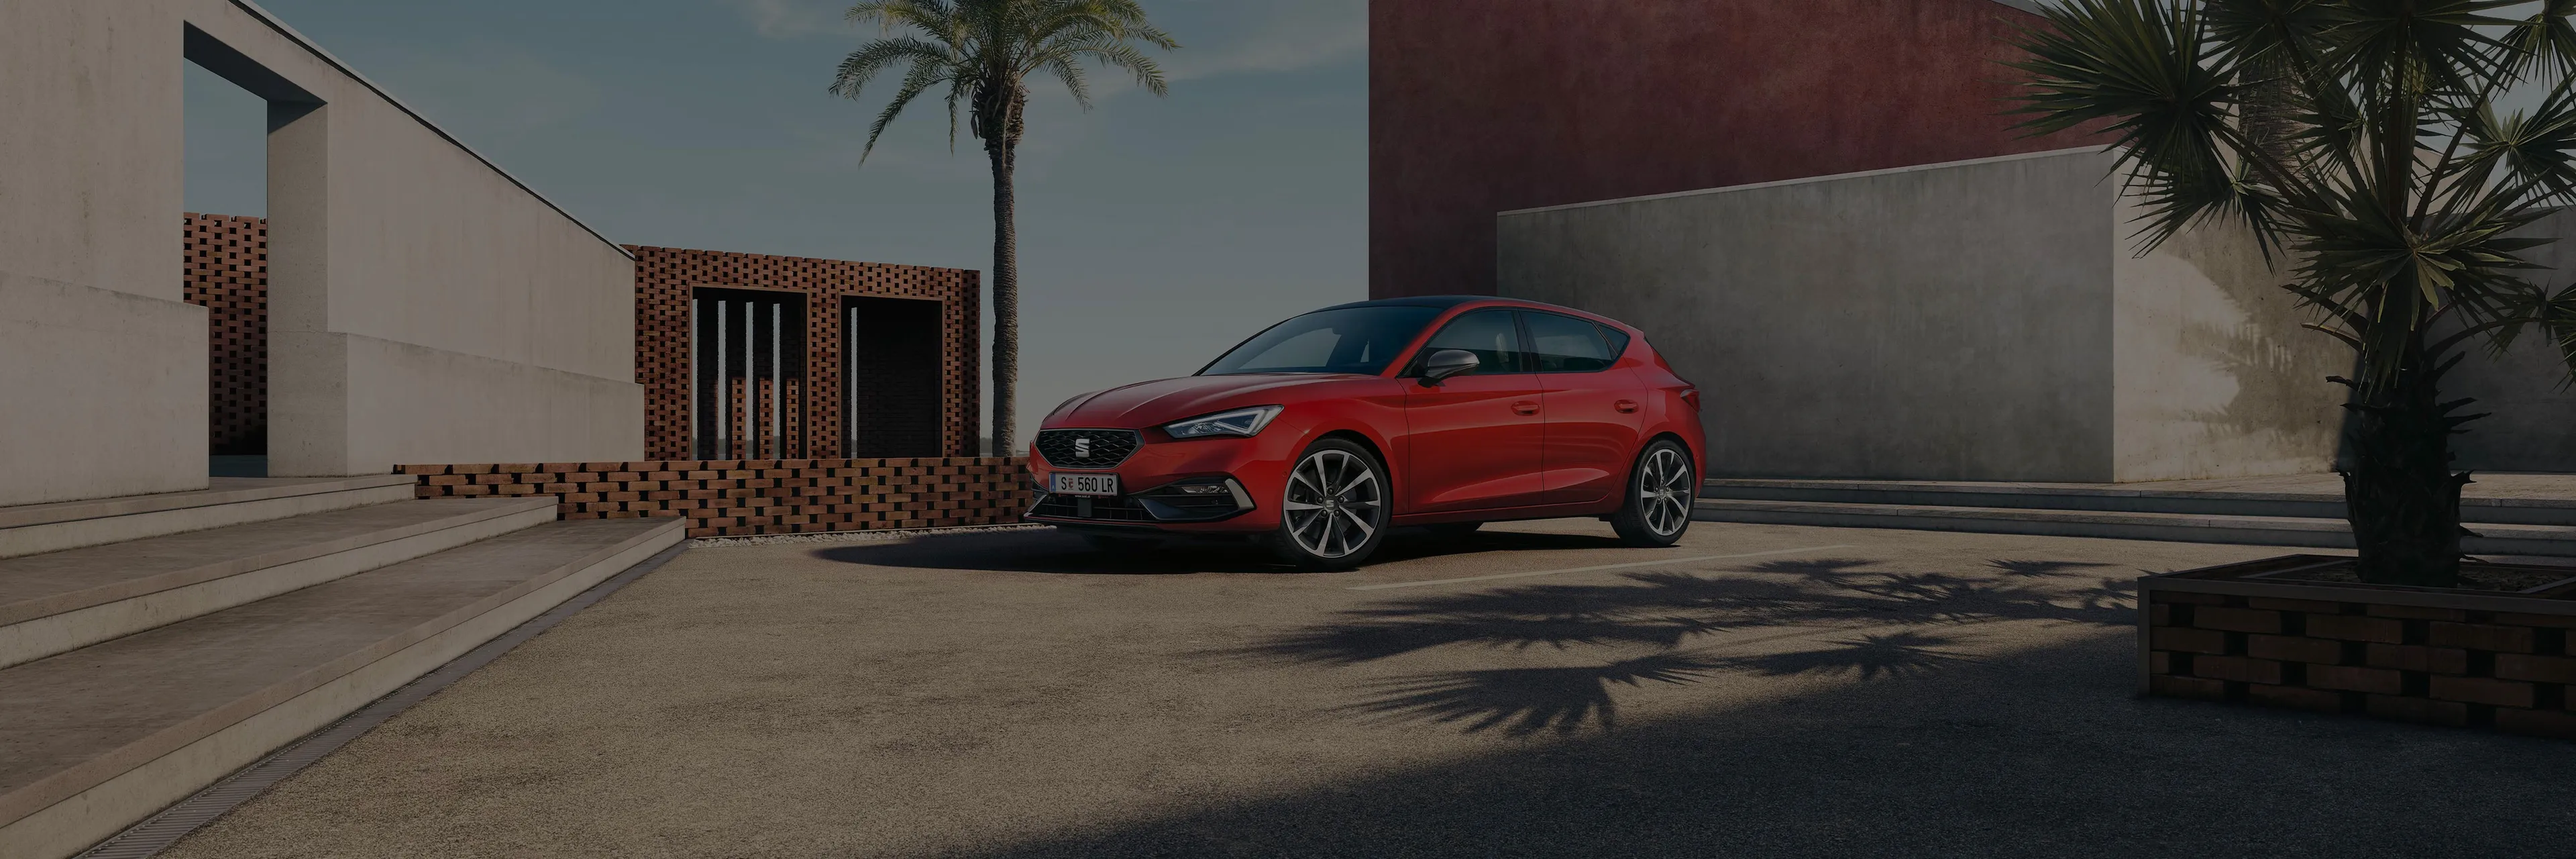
[[1474, 439], [1591, 408]]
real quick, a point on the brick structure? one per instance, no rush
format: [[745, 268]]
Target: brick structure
[[667, 278], [224, 267], [731, 498], [920, 323], [2441, 657]]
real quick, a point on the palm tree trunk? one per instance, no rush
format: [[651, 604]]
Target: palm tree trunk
[[2400, 493], [1006, 304]]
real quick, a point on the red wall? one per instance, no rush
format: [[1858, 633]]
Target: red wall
[[1481, 106]]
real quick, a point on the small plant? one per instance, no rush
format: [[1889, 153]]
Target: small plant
[[2362, 139]]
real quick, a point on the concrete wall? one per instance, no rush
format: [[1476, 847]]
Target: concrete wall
[[2533, 426], [1479, 106], [397, 255], [102, 366], [1977, 320], [1937, 323]]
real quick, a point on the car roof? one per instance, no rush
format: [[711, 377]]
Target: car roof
[[1445, 302]]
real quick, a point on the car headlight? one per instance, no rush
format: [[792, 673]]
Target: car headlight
[[1239, 422]]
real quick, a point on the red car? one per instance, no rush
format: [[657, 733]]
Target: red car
[[1321, 433]]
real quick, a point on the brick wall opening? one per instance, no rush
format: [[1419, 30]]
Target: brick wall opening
[[224, 268], [750, 373], [893, 357]]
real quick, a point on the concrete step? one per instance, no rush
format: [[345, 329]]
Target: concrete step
[[2494, 539], [2114, 498], [94, 740], [37, 528], [61, 601]]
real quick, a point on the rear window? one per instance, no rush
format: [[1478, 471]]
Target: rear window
[[1564, 344], [1618, 341]]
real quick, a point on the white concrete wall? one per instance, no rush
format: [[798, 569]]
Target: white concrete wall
[[424, 306], [1980, 320], [1948, 322], [399, 258], [102, 366]]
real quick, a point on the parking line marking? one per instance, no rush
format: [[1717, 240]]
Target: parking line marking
[[1664, 562]]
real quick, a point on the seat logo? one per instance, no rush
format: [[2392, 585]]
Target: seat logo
[[1082, 448]]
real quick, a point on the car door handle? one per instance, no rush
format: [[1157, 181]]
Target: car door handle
[[1525, 407], [1625, 406]]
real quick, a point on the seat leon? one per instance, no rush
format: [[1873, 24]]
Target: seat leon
[[1323, 432]]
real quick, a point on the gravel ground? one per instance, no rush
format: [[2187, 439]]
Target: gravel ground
[[1757, 691]]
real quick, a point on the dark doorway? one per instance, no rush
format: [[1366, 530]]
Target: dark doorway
[[225, 268], [891, 354], [747, 348]]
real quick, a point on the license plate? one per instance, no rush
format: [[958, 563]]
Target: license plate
[[1086, 484]]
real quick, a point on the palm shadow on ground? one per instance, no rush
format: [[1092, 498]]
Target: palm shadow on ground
[[1050, 550], [2041, 753], [1892, 624]]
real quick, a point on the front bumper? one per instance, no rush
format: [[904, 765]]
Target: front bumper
[[1151, 480]]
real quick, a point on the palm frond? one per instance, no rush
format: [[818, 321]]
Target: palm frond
[[2151, 75]]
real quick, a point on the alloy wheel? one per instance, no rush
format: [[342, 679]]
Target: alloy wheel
[[1335, 503], [1664, 491]]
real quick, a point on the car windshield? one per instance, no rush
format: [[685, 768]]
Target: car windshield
[[1348, 340]]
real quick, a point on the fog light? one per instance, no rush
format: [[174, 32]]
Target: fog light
[[1204, 489]]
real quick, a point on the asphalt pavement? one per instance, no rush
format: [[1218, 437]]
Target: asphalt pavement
[[1534, 690]]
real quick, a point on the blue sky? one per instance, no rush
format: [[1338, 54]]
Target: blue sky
[[1153, 232]]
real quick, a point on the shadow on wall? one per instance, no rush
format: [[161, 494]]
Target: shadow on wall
[[2221, 380], [2044, 753]]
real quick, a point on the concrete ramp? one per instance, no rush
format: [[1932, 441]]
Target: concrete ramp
[[149, 669]]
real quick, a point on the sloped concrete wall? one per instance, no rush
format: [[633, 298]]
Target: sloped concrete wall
[[399, 257], [423, 304]]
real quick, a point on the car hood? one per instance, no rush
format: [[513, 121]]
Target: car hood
[[1162, 401]]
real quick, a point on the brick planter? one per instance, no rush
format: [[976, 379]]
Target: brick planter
[[738, 498], [2436, 655]]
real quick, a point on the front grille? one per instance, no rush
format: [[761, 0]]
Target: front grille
[[1120, 509], [1107, 447]]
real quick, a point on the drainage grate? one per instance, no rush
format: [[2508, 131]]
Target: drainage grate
[[158, 832]]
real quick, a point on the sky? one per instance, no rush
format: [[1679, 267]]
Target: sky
[[1154, 232]]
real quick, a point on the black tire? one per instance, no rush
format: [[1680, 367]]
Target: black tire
[[1453, 530], [1334, 513], [1120, 544], [1660, 488]]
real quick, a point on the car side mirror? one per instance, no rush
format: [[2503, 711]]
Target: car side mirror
[[1446, 363]]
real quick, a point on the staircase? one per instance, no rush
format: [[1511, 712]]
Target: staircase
[[151, 645], [2527, 524]]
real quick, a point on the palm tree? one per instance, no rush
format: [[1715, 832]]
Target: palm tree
[[983, 51], [2402, 193]]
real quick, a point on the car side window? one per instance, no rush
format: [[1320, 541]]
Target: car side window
[[1618, 341], [1563, 344], [1490, 334]]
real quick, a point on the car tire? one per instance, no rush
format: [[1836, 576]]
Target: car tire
[[1660, 489], [1453, 530], [1119, 544], [1334, 513]]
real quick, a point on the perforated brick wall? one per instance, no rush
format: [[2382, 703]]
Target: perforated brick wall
[[224, 266], [734, 498], [2447, 666], [665, 279]]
